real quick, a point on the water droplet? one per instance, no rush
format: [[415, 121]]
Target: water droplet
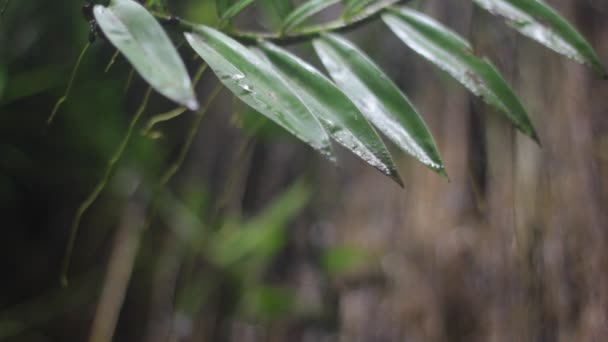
[[246, 87], [237, 77]]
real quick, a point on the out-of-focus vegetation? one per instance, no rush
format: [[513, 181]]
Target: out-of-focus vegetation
[[256, 238]]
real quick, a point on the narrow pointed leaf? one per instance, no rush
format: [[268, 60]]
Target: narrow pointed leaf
[[274, 12], [227, 9], [135, 32], [305, 11], [221, 6], [538, 21], [378, 98], [367, 13], [255, 82], [337, 113], [354, 7], [451, 53]]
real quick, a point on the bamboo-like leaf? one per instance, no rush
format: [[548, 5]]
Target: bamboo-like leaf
[[538, 21], [274, 12], [227, 9], [255, 82], [450, 52], [135, 32], [367, 13], [378, 98], [354, 7], [305, 11], [262, 236], [157, 4], [337, 113], [221, 6]]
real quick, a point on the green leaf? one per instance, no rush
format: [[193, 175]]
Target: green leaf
[[227, 9], [538, 21], [160, 5], [221, 6], [135, 32], [343, 259], [378, 98], [366, 14], [266, 303], [305, 11], [275, 11], [337, 113], [354, 7], [450, 52], [255, 82], [263, 236]]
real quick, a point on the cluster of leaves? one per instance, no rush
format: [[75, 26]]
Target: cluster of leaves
[[238, 252], [359, 98]]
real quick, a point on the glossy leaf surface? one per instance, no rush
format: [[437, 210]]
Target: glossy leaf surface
[[378, 98], [453, 54], [305, 11], [227, 9], [337, 113], [135, 32], [353, 7], [255, 82], [373, 9], [538, 21]]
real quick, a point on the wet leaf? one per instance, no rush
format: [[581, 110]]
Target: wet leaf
[[451, 53], [255, 82], [227, 9], [135, 32], [378, 98], [538, 21], [305, 11], [354, 7], [337, 113], [373, 9], [274, 12]]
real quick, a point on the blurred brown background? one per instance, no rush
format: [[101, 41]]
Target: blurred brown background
[[512, 248]]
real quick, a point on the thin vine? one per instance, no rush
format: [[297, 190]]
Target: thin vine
[[109, 170], [63, 98]]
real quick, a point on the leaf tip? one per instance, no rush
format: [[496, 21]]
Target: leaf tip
[[192, 104], [534, 136], [394, 175], [537, 140], [443, 173]]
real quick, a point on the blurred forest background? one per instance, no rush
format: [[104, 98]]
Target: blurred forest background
[[259, 239]]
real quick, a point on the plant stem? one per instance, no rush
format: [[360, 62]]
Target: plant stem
[[70, 83]]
